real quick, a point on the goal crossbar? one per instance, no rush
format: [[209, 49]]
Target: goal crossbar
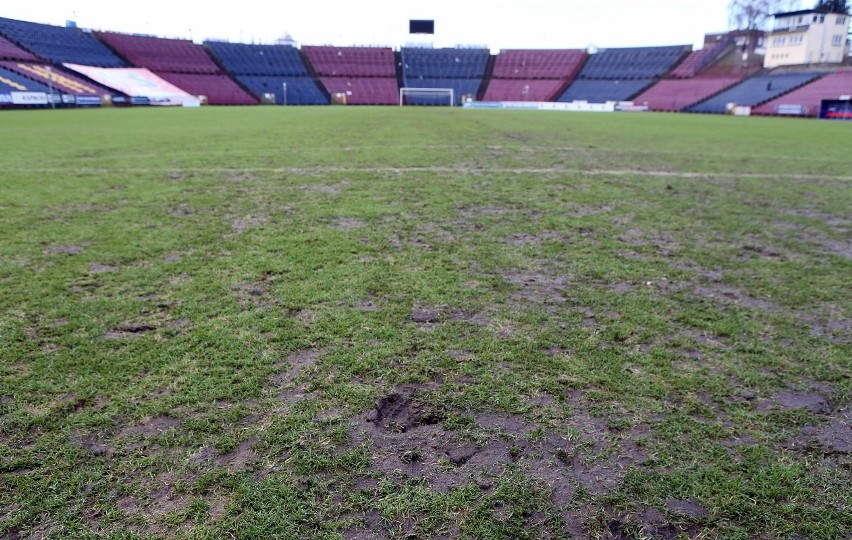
[[425, 92]]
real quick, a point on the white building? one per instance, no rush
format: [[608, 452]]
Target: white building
[[807, 37]]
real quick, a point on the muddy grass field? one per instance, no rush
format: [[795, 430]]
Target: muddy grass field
[[379, 323]]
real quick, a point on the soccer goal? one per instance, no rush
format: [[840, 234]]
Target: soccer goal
[[439, 94]]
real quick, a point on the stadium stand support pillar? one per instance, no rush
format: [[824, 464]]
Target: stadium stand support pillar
[[313, 73], [486, 78]]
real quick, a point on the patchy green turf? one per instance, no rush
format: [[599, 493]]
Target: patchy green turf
[[417, 323]]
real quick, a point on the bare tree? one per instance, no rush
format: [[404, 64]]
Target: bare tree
[[755, 14]]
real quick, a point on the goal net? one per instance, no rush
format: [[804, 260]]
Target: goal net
[[426, 96]]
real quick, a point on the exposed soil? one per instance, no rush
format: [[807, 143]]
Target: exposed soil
[[347, 224], [98, 268], [249, 222], [151, 427], [63, 250], [406, 435], [835, 436]]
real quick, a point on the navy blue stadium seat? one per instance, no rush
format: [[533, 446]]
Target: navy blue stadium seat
[[444, 63], [14, 82], [631, 63], [300, 90], [605, 90], [245, 59], [60, 44], [754, 91]]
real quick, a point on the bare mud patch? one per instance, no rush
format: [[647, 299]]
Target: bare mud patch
[[129, 331], [347, 224], [93, 443], [297, 363], [835, 436], [152, 427], [686, 508], [815, 402], [98, 268], [64, 249], [256, 294], [405, 435], [537, 285], [246, 223], [661, 241], [324, 189]]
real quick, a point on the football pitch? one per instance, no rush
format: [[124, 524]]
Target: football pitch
[[355, 323]]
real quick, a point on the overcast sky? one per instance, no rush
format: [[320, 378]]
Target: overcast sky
[[498, 24]]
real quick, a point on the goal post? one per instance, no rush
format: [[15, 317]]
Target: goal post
[[409, 92]]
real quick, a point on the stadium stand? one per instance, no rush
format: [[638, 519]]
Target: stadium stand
[[10, 51], [631, 63], [532, 75], [754, 91], [59, 44], [619, 74], [698, 60], [265, 69], [810, 96], [182, 63], [538, 63], [219, 89], [61, 81], [459, 69], [351, 61], [13, 84], [363, 90], [676, 94], [246, 59], [599, 91], [523, 89], [160, 54], [366, 75]]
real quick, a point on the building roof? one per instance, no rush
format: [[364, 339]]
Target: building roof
[[802, 12]]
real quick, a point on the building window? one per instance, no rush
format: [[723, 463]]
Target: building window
[[795, 40], [841, 20], [822, 18], [778, 41], [837, 40]]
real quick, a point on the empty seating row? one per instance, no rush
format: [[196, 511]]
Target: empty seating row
[[59, 44], [246, 59], [676, 94], [219, 89], [15, 82], [697, 60], [631, 63], [809, 97], [754, 91], [160, 54], [351, 61], [364, 90], [523, 89], [299, 90], [538, 63], [10, 51], [444, 63], [595, 91], [59, 79]]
